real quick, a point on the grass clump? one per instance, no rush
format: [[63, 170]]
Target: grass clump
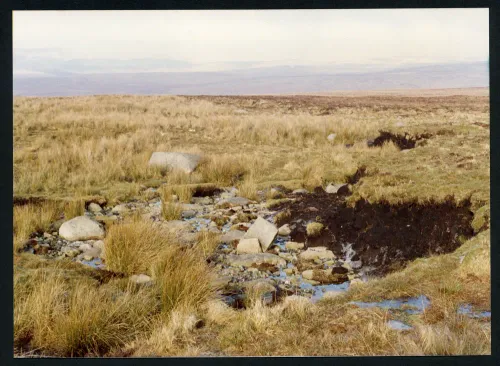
[[74, 208], [313, 229], [131, 247], [222, 170], [61, 318], [183, 279], [171, 210], [282, 216], [184, 193], [276, 202]]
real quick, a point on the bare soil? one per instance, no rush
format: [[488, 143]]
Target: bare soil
[[384, 236]]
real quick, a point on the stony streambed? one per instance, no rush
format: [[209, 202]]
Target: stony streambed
[[292, 262]]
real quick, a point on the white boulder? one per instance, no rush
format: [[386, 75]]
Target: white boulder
[[81, 228], [175, 160], [262, 230], [246, 246]]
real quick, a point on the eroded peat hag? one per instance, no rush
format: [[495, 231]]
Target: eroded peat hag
[[379, 236], [402, 141]]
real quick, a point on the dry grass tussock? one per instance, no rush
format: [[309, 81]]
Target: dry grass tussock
[[59, 311]]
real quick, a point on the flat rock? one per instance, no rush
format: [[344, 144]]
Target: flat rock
[[262, 230], [120, 209], [259, 286], [300, 191], [233, 201], [292, 245], [175, 160], [246, 246], [188, 214], [232, 236], [94, 207], [81, 228], [316, 253], [176, 225], [247, 260], [284, 230]]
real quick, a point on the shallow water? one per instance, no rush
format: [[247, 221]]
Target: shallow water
[[94, 263], [467, 310], [397, 325], [418, 304]]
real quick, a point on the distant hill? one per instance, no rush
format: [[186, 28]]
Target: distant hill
[[263, 80]]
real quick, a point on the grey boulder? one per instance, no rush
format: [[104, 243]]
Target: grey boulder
[[262, 230], [175, 160]]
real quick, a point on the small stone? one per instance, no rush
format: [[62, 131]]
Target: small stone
[[291, 245], [70, 252], [47, 236], [188, 214], [284, 230], [300, 191], [308, 275], [247, 246], [316, 253], [88, 257], [337, 188], [99, 244], [84, 247], [331, 137], [288, 271], [94, 207], [140, 279], [232, 236], [120, 209]]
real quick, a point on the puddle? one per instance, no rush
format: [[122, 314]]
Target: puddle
[[417, 304], [467, 310], [94, 263], [320, 290], [397, 325]]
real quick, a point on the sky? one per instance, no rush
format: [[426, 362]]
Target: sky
[[208, 40]]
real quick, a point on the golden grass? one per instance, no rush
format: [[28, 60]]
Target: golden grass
[[183, 279], [60, 312], [171, 210], [74, 208], [133, 246], [184, 193], [32, 218]]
